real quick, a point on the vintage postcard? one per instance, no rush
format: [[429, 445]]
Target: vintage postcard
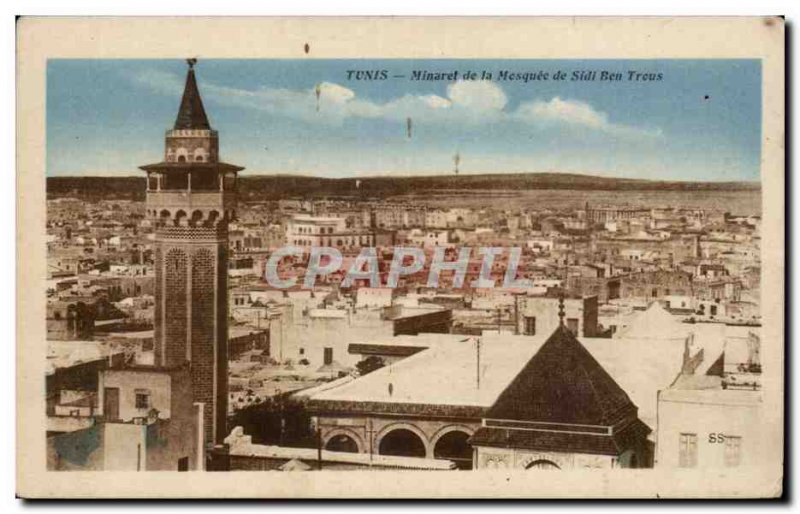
[[400, 257]]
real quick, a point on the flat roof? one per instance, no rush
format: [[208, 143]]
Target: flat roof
[[139, 334], [712, 396], [444, 374], [417, 310], [305, 218], [64, 354], [239, 331]]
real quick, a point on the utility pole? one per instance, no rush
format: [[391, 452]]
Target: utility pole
[[280, 345], [319, 448], [283, 419]]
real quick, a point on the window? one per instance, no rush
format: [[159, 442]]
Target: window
[[733, 451], [530, 325], [142, 399], [328, 356], [302, 351], [688, 451], [183, 464]]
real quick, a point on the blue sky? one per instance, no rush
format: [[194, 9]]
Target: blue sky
[[702, 121]]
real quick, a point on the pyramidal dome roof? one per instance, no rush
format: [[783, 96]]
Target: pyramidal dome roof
[[562, 383], [655, 322], [191, 114]]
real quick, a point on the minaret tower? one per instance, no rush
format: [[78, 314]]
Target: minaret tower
[[191, 198]]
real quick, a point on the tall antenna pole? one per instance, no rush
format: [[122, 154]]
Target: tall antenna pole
[[478, 360]]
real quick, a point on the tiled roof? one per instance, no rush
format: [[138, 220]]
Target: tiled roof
[[562, 383], [191, 114], [220, 167]]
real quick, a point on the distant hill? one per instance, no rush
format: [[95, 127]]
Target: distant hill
[[274, 187], [97, 188]]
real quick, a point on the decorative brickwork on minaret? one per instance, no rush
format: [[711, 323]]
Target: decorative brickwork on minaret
[[191, 198]]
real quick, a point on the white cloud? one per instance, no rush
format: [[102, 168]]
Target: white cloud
[[478, 95], [466, 102], [335, 93], [576, 113], [567, 111], [436, 102]]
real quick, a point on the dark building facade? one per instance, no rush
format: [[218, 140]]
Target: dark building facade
[[191, 198]]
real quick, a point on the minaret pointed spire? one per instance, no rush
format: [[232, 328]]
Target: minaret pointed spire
[[191, 115]]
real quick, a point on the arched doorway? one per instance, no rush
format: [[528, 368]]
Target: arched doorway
[[454, 446], [542, 464], [402, 442]]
